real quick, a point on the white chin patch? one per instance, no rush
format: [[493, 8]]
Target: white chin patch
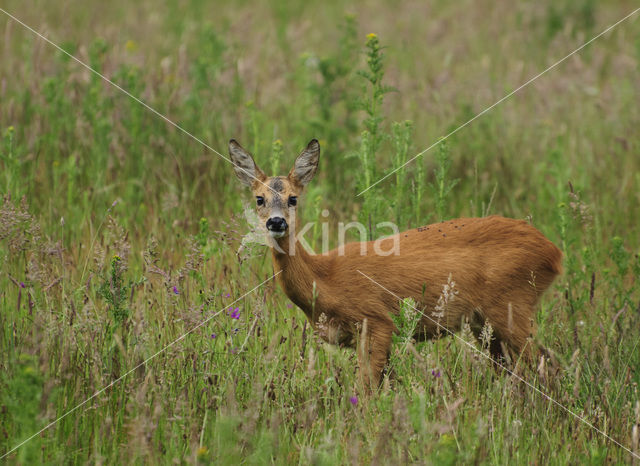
[[276, 234]]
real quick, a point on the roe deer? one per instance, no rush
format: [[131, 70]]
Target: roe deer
[[500, 267]]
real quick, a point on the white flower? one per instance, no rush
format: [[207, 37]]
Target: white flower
[[448, 295]]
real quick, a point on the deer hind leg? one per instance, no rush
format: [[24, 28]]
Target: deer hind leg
[[477, 322], [515, 334], [373, 354]]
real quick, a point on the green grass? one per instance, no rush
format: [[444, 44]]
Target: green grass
[[119, 233]]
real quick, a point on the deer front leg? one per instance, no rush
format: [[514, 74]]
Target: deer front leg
[[373, 353]]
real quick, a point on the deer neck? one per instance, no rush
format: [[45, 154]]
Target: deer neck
[[299, 270]]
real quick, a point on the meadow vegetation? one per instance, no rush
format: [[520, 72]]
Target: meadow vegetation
[[120, 233]]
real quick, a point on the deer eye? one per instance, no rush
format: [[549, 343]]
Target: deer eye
[[293, 200], [259, 200]]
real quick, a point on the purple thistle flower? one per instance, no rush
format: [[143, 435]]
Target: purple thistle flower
[[235, 313], [228, 295], [353, 400], [436, 373], [22, 285], [289, 305], [175, 290], [234, 350], [213, 335]]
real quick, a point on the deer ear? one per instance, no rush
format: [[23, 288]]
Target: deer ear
[[243, 164], [306, 164]]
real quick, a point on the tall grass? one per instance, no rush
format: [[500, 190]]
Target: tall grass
[[119, 234]]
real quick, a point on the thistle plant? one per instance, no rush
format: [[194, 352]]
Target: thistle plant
[[203, 232], [419, 185], [114, 290], [620, 256], [206, 247], [327, 82], [401, 135], [373, 135], [442, 186], [373, 102]]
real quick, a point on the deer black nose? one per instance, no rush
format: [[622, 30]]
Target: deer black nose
[[276, 224]]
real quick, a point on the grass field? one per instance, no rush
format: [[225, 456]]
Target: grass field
[[119, 233]]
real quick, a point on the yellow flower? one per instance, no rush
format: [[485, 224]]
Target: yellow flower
[[202, 451], [131, 46], [372, 36], [447, 440]]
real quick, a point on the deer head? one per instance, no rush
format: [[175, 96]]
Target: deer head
[[276, 196]]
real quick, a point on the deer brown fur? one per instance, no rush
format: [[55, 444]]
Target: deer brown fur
[[500, 267]]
